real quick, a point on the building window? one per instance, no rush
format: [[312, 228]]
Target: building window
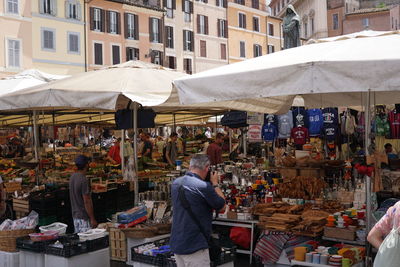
[[12, 6], [187, 65], [187, 8], [132, 53], [305, 29], [116, 57], [97, 19], [270, 29], [169, 42], [202, 24], [171, 62], [257, 50], [221, 3], [223, 51], [222, 28], [157, 57], [335, 18], [113, 22], [256, 24], [170, 6], [131, 26], [48, 7], [72, 10], [13, 53], [48, 39], [203, 1], [242, 21], [240, 2], [255, 4], [271, 49], [365, 22], [203, 48], [73, 43], [312, 26], [242, 49], [155, 30], [187, 40], [98, 54]]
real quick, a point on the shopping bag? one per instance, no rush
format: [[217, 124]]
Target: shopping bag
[[388, 254]]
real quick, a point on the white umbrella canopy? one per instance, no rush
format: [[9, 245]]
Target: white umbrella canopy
[[328, 73]]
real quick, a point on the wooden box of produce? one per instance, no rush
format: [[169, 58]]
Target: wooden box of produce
[[339, 233], [118, 245], [11, 187], [288, 172], [21, 207]]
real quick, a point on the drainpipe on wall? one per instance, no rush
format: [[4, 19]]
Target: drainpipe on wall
[[227, 41], [266, 32], [85, 32], [164, 35]]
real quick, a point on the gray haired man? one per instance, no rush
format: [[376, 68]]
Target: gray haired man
[[187, 242]]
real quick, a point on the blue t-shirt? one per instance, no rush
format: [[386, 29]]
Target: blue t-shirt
[[315, 121], [186, 237], [331, 116], [269, 132]]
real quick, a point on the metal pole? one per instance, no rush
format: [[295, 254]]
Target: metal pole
[[216, 125], [54, 138], [244, 143], [230, 140], [35, 136], [135, 149], [367, 143], [174, 126], [122, 151]]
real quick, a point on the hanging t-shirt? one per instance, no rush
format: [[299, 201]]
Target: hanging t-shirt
[[271, 118], [300, 116], [330, 132], [285, 125], [315, 121], [394, 120], [350, 124], [330, 116], [269, 132], [300, 135], [382, 127]]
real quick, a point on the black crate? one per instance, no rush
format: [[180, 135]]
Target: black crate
[[152, 260], [71, 246], [97, 244], [26, 243]]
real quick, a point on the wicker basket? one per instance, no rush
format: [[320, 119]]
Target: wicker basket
[[8, 239], [143, 232]]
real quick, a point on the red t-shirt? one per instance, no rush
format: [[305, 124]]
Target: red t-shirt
[[394, 120], [115, 154], [300, 135], [214, 152]]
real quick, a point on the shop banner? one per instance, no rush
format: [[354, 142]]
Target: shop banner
[[255, 118], [254, 133]]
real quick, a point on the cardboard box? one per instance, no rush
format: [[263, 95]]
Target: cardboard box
[[339, 233]]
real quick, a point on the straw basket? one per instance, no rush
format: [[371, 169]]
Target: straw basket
[[8, 239], [144, 232]]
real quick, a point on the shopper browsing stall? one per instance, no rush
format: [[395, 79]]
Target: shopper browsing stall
[[114, 155], [81, 198], [171, 150], [187, 241], [214, 150], [147, 145], [2, 201]]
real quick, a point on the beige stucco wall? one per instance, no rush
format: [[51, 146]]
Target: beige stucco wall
[[16, 27], [213, 42], [58, 61]]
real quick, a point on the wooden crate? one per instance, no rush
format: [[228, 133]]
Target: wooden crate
[[20, 214], [288, 172], [118, 245], [21, 205], [311, 172], [11, 187], [339, 233]]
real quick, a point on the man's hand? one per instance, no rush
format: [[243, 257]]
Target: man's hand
[[93, 223], [214, 178]]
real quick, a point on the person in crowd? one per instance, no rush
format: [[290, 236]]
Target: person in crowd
[[147, 149], [114, 155], [187, 242], [160, 144], [389, 151], [81, 198], [171, 151], [3, 205], [214, 150]]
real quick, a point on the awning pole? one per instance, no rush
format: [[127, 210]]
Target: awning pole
[[174, 126], [135, 149], [368, 188], [35, 136], [244, 142], [122, 151], [230, 132], [54, 138]]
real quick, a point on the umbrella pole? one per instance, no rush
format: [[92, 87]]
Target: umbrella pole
[[244, 142], [35, 136], [135, 149], [230, 140], [54, 138], [122, 151], [367, 178]]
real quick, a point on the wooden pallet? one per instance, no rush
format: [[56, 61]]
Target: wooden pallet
[[118, 245]]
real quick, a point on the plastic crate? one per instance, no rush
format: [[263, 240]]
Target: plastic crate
[[71, 246], [97, 244], [26, 243], [158, 260]]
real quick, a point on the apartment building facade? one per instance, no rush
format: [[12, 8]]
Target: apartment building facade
[[15, 36], [58, 36]]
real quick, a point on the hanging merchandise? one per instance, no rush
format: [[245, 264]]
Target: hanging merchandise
[[235, 119], [315, 121], [394, 120], [361, 123], [330, 116], [350, 124], [285, 123], [269, 132], [300, 116], [382, 126], [300, 136], [330, 132], [271, 118]]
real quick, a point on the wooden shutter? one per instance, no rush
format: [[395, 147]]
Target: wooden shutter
[[191, 7], [108, 21], [183, 5], [103, 20], [53, 7], [173, 4], [244, 21], [184, 40], [203, 48], [172, 36], [126, 26], [79, 11], [191, 41], [206, 24], [226, 28], [41, 6], [164, 3], [166, 36], [91, 18], [254, 50], [151, 29], [98, 53], [127, 50], [224, 3], [118, 17], [66, 4], [160, 31], [206, 1], [218, 27], [136, 53], [115, 55], [136, 25], [198, 23]]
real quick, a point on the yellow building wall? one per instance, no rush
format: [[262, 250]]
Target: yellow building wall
[[58, 61]]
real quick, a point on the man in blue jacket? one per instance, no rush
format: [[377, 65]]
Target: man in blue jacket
[[187, 242]]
